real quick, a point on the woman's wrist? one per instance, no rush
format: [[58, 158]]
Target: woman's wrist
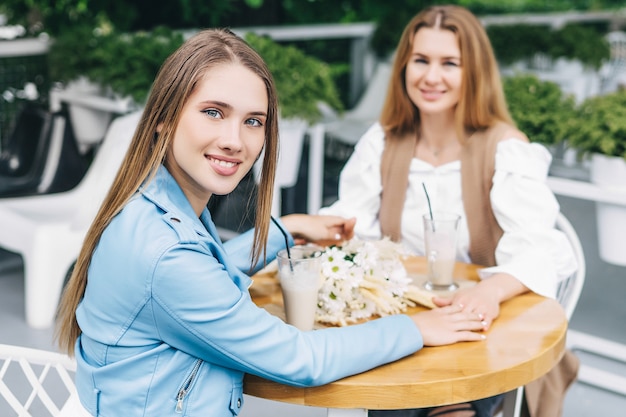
[[505, 286], [293, 223]]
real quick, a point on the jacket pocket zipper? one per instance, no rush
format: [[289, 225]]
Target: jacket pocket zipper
[[184, 389]]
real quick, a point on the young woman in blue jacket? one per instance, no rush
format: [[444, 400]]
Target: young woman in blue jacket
[[157, 310]]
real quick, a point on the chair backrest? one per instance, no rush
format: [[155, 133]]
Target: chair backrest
[[99, 177], [371, 102], [35, 382], [569, 290], [65, 166], [292, 134], [27, 145]]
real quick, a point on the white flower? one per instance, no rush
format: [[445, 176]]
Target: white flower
[[362, 278]]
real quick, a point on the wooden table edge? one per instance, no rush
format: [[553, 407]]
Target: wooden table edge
[[345, 393]]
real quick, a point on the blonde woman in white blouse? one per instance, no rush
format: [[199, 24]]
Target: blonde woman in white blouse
[[444, 115]]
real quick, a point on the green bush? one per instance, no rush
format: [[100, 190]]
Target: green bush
[[580, 42], [125, 62], [301, 80], [601, 125], [513, 43], [540, 109], [575, 41]]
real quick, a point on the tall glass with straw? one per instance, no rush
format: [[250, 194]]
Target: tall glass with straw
[[300, 279], [440, 234]]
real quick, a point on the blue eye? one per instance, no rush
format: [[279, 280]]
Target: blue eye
[[214, 113], [254, 122]]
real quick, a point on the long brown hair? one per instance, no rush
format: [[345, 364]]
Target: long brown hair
[[482, 101], [173, 85]]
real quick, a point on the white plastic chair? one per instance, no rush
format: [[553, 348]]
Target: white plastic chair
[[349, 127], [613, 73], [36, 383], [614, 352], [48, 230], [568, 294], [569, 290], [292, 134]]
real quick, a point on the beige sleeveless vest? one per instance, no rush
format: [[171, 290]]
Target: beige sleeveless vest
[[545, 395], [477, 169]]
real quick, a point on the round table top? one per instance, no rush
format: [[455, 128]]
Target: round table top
[[524, 343]]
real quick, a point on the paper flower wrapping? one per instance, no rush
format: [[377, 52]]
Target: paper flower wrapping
[[361, 279]]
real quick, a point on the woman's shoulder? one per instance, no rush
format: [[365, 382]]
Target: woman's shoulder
[[156, 225], [372, 142], [522, 157], [373, 136], [505, 131]]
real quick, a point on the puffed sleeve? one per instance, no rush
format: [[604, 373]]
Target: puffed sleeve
[[360, 185], [531, 249]]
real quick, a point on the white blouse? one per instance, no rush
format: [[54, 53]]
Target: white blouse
[[531, 249]]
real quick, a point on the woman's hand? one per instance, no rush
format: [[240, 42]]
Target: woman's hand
[[447, 325], [485, 297], [314, 228]]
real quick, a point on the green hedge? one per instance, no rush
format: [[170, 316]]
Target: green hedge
[[585, 43], [126, 62], [301, 80], [547, 116], [539, 108], [601, 125]]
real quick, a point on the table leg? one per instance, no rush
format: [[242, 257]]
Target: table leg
[[346, 412]]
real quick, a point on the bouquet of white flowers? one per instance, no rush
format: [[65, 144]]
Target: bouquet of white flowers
[[364, 278]]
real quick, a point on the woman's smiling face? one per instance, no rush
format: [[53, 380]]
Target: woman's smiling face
[[434, 72], [220, 134]]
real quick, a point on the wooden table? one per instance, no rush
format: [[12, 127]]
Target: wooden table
[[524, 343]]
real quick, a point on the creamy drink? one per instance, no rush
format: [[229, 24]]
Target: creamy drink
[[440, 241], [300, 299], [440, 272], [300, 282]]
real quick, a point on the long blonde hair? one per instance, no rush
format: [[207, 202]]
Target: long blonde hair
[[482, 101], [173, 85]]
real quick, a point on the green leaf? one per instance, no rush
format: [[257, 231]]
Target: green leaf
[[255, 4], [301, 80]]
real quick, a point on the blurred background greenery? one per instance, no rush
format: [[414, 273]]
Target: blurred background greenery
[[71, 18], [104, 38], [56, 16]]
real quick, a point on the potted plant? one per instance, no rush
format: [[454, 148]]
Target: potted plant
[[536, 44], [539, 108], [601, 135], [104, 63], [302, 80]]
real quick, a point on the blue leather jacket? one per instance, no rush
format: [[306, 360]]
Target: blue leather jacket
[[168, 326]]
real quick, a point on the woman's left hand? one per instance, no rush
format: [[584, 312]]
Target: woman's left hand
[[314, 228], [485, 297]]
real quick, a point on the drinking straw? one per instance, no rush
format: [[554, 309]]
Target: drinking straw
[[286, 241], [430, 209]]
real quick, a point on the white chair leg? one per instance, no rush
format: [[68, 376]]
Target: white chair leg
[[512, 406]]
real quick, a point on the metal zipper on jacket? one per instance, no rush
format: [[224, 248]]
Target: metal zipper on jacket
[[184, 389]]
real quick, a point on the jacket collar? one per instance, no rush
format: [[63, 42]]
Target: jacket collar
[[165, 193]]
